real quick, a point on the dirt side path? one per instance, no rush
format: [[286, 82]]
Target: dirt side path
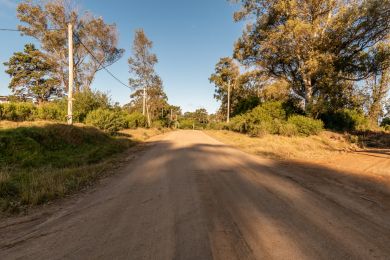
[[191, 197]]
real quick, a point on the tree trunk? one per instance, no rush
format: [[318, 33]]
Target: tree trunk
[[148, 116], [308, 94], [144, 102], [379, 92]]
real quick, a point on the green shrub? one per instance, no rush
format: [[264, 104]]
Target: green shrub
[[305, 125], [217, 126], [385, 122], [260, 129], [18, 111], [107, 120], [346, 120], [270, 118], [135, 120], [288, 129], [186, 123], [265, 118], [238, 124], [51, 111], [265, 127], [159, 124], [268, 112], [86, 101]]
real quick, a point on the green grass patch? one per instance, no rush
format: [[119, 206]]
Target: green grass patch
[[41, 163]]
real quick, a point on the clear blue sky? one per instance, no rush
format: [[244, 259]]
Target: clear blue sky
[[189, 37]]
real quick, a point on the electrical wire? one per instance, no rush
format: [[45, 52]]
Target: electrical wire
[[9, 30], [104, 67], [17, 30], [86, 48]]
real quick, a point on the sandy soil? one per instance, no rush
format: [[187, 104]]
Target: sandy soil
[[191, 197]]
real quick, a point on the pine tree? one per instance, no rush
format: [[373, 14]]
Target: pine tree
[[32, 75]]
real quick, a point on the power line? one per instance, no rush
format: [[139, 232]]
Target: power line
[[17, 30], [93, 56], [9, 30], [104, 67]]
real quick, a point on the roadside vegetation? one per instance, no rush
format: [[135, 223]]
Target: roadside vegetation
[[90, 107], [41, 163], [303, 68], [271, 118], [289, 147], [43, 160], [277, 118], [300, 68]]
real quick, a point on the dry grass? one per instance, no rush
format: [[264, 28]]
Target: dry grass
[[139, 134], [4, 124], [282, 147], [142, 134]]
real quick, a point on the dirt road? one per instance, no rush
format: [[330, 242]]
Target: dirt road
[[191, 197]]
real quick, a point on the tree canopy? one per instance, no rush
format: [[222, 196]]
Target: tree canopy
[[32, 75], [319, 47], [142, 61], [226, 72], [143, 74], [48, 21], [157, 99]]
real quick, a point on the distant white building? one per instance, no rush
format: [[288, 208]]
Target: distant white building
[[4, 99]]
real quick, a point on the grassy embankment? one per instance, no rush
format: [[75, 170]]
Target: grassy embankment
[[367, 163], [42, 161], [283, 147]]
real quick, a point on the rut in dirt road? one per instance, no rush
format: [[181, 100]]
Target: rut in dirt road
[[191, 197]]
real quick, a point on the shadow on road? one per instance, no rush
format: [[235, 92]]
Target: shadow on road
[[203, 200], [307, 208]]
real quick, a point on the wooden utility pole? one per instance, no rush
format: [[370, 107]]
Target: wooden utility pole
[[70, 83], [144, 102], [148, 116], [228, 105]]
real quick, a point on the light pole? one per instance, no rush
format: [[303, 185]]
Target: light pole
[[228, 104], [70, 83]]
